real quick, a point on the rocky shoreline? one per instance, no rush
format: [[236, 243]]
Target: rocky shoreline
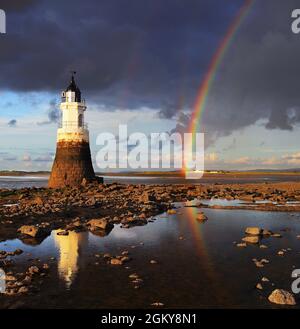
[[31, 214], [129, 205]]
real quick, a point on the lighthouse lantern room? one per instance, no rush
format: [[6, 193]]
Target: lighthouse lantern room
[[72, 126]]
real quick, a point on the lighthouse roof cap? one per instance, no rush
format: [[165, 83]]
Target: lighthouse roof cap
[[74, 88]]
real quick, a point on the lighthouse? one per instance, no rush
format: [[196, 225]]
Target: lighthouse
[[72, 164]]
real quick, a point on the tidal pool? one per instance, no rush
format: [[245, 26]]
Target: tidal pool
[[198, 264]]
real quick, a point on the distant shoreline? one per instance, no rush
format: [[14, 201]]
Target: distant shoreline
[[219, 174], [23, 173]]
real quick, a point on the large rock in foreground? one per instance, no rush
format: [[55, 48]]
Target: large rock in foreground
[[282, 297], [33, 231]]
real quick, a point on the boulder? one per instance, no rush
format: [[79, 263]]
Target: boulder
[[33, 231], [116, 261], [33, 270], [253, 230], [171, 211], [282, 297], [201, 217], [98, 224], [258, 263], [23, 290], [267, 232]]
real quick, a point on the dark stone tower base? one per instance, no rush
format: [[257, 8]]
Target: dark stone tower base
[[71, 165]]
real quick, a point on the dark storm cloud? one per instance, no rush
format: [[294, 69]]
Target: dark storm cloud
[[132, 53], [126, 52], [259, 78], [16, 5]]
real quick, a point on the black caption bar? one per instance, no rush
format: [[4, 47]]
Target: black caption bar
[[91, 319]]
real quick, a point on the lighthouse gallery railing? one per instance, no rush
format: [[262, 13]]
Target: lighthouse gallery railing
[[72, 124]]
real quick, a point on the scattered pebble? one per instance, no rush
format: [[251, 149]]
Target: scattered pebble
[[259, 286], [276, 235], [263, 246], [157, 304]]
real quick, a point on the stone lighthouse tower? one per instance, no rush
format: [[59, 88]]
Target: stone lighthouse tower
[[72, 161]]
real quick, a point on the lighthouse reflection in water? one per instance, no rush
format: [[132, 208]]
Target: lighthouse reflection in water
[[70, 247]]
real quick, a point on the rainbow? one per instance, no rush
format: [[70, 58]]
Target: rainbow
[[210, 75], [196, 229], [209, 273]]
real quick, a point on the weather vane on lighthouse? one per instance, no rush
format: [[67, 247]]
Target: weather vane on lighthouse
[[72, 163]]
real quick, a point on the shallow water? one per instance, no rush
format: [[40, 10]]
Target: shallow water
[[223, 202], [198, 264], [240, 203], [15, 182]]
